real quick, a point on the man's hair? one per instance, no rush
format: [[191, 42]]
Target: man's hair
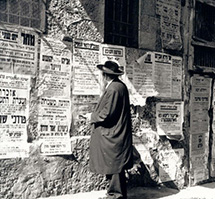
[[111, 76]]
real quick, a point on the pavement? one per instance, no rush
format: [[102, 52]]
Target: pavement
[[205, 191]]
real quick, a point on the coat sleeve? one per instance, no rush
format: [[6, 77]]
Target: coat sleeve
[[109, 107]]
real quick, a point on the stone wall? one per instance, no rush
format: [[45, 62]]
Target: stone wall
[[44, 176]]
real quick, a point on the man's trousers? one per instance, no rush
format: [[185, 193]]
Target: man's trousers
[[117, 186]]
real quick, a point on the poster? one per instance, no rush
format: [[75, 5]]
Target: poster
[[169, 161], [18, 50], [86, 75], [170, 14], [143, 76], [113, 53], [14, 105], [54, 91], [55, 69], [176, 77], [200, 102], [54, 124], [199, 126], [154, 74], [163, 74], [169, 118]]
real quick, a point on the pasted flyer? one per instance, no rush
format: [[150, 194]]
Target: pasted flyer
[[170, 14], [143, 75], [14, 105], [18, 50], [200, 101], [86, 75], [55, 69], [163, 74], [53, 125], [113, 53], [176, 77], [168, 162], [169, 118]]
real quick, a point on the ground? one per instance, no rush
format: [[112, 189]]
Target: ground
[[205, 191]]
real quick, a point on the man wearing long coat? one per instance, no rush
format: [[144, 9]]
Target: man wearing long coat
[[111, 139]]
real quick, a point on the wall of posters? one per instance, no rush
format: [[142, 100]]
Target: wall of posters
[[18, 50], [169, 118], [14, 106], [54, 93], [86, 77], [170, 14], [155, 74]]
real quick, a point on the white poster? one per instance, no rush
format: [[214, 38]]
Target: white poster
[[18, 50], [55, 69], [169, 118], [176, 77], [200, 102], [169, 161], [86, 75], [14, 106], [54, 125], [143, 76], [113, 53], [170, 14], [163, 74]]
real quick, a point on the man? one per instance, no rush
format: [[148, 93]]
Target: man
[[111, 139]]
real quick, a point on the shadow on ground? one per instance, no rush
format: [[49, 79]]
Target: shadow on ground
[[150, 192]]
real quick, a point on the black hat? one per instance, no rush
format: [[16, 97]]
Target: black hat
[[110, 67]]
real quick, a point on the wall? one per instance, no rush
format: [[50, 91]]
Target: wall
[[43, 176]]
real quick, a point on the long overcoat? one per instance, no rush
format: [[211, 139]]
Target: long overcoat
[[111, 138]]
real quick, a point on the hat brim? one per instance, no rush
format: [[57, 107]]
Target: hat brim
[[101, 67]]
